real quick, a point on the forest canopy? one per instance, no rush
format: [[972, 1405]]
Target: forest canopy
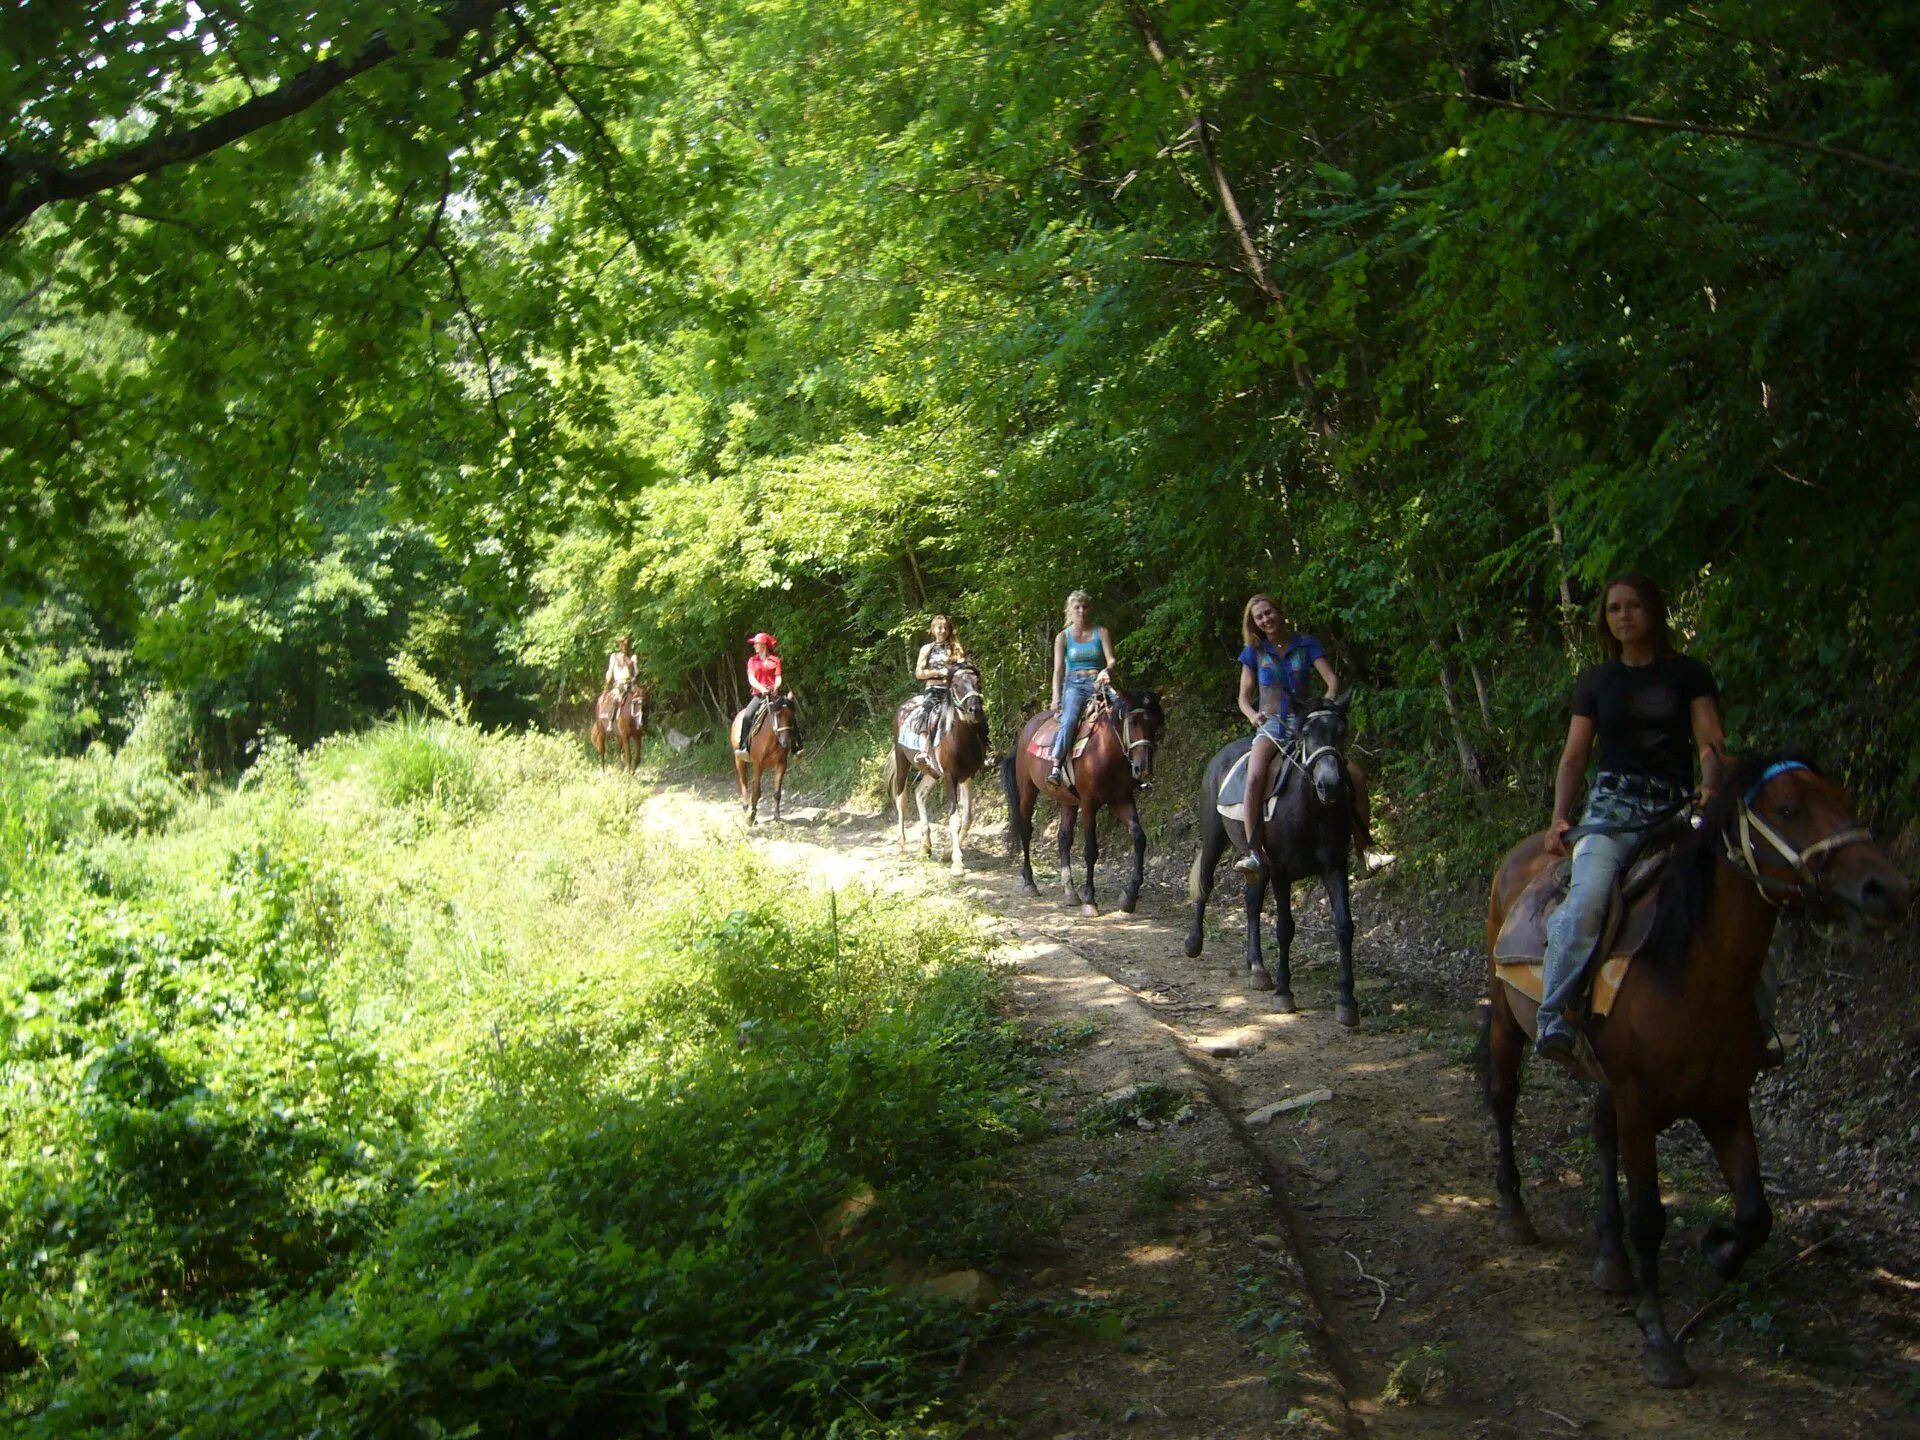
[[479, 332]]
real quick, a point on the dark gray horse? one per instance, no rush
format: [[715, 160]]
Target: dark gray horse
[[1310, 834]]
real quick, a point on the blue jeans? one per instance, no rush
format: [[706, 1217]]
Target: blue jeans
[[1074, 695], [1574, 929]]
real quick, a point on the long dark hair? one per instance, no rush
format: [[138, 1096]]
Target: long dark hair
[[1651, 596]]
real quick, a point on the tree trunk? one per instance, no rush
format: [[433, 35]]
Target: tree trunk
[[1450, 693]]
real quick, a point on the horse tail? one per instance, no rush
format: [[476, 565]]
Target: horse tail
[[1010, 782], [1193, 872], [896, 782]]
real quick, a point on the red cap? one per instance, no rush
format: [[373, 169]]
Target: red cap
[[763, 635]]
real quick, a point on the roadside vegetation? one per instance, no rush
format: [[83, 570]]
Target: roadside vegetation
[[412, 1089]]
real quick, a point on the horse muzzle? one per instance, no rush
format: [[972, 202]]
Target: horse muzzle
[[1874, 900]]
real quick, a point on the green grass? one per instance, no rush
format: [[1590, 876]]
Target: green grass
[[416, 1088]]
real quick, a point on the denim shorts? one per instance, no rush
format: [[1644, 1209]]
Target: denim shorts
[[1276, 730]]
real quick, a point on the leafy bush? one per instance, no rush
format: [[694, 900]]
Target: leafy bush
[[419, 761], [326, 1123]]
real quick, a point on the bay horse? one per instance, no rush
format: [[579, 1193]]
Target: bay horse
[[1116, 766], [775, 738], [1309, 834], [957, 754], [1684, 1038], [625, 718]]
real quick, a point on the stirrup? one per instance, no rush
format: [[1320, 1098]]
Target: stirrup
[[1251, 864]]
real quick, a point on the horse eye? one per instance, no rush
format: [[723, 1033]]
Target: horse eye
[[1788, 812]]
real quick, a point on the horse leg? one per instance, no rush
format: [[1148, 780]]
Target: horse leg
[[1129, 815], [926, 824], [1256, 894], [1340, 897], [896, 771], [1213, 840], [740, 779], [1092, 814], [1283, 941], [779, 782], [1660, 1358], [599, 734], [959, 821], [1069, 817], [1506, 1045], [1726, 1250], [1610, 1269]]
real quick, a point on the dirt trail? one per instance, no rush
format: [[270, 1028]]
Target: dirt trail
[[1336, 1269]]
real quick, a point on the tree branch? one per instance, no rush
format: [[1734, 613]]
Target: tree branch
[[1690, 127], [33, 181], [473, 326]]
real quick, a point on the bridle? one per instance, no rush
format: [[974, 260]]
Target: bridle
[[1743, 857], [1305, 758], [1131, 741]]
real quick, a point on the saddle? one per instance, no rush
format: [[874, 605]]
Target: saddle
[[912, 732], [1521, 945], [1042, 743], [1233, 786], [607, 708], [759, 724]]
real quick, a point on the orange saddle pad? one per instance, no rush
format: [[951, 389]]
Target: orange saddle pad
[[1522, 942]]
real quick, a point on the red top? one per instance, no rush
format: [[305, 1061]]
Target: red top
[[763, 673]]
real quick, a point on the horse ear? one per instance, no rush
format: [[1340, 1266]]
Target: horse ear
[[1343, 700]]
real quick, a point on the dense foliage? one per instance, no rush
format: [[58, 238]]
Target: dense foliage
[[612, 314], [317, 1120]]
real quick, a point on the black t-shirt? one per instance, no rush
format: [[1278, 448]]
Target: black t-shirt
[[1643, 714]]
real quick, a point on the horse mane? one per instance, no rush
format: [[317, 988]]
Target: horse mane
[[1686, 890], [1144, 701]]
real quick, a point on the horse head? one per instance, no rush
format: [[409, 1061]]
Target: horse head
[[1794, 834], [1323, 738], [783, 714], [1140, 720], [963, 692]]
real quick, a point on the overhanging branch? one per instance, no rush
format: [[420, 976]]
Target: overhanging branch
[[31, 182]]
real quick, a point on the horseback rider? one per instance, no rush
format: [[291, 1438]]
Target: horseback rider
[[936, 661], [1082, 664], [763, 678], [1646, 704], [1273, 686], [623, 670]]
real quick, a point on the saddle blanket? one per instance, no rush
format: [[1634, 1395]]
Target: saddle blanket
[[1521, 945], [1233, 787], [1042, 743]]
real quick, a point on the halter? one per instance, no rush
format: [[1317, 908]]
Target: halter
[[1743, 858]]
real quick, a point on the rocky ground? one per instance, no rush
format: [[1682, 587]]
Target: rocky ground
[[1269, 1224]]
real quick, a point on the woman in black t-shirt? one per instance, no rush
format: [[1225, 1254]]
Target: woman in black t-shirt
[[1650, 708]]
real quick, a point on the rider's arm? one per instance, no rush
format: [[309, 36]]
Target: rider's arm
[[1324, 669], [1105, 677], [1250, 695], [1059, 667], [1567, 780], [920, 668], [1712, 740]]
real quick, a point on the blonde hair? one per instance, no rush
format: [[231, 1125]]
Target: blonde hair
[[955, 649], [1082, 596], [1251, 632]]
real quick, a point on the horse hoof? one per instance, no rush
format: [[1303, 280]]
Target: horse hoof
[[1127, 902], [1719, 1249], [1347, 1013], [1194, 941], [1666, 1367], [1089, 910], [1517, 1229], [1611, 1274]]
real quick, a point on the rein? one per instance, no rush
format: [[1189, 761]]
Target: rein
[[1743, 857]]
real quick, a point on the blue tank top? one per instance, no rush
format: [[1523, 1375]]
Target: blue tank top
[[1086, 654]]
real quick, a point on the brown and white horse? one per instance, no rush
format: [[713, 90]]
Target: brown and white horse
[[953, 755]]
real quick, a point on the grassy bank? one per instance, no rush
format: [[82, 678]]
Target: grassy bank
[[417, 1089]]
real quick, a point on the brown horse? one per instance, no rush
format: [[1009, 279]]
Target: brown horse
[[1683, 1040], [1116, 765], [625, 717], [957, 754], [775, 739]]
